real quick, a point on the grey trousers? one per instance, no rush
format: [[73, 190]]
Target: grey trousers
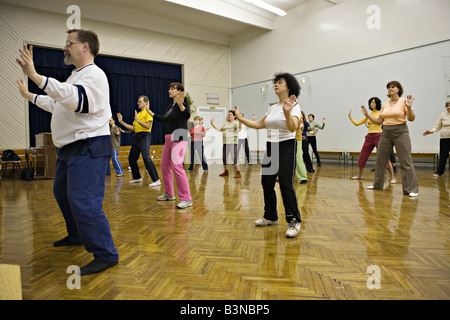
[[398, 136]]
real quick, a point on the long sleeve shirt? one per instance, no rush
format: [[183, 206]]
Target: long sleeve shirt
[[80, 106], [373, 127], [313, 126], [174, 120], [443, 124]]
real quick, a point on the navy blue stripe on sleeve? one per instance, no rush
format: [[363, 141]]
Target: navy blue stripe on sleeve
[[46, 83], [83, 103]]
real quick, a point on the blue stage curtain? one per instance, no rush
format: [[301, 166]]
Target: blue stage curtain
[[128, 79]]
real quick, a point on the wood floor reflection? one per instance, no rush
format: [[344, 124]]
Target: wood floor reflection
[[213, 250]]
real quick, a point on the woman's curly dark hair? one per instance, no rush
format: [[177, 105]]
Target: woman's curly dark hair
[[377, 102], [291, 82]]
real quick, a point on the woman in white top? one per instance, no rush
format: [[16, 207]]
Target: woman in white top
[[281, 121], [443, 122]]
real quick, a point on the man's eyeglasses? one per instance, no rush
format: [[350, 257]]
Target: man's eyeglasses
[[69, 42]]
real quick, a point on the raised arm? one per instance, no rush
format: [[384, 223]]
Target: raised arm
[[356, 123], [214, 126], [260, 124], [146, 125], [126, 125], [409, 111], [288, 105], [436, 127], [150, 112], [27, 65], [378, 120], [321, 127]]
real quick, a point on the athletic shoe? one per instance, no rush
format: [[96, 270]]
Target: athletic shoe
[[293, 229], [136, 180], [155, 184], [184, 204], [264, 222], [437, 175], [413, 194], [165, 197]]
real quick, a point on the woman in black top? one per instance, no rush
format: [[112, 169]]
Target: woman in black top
[[175, 144]]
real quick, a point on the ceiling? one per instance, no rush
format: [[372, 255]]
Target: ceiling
[[210, 20]]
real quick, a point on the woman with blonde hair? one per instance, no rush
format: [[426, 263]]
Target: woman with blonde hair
[[197, 133]]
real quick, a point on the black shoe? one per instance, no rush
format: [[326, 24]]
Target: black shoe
[[64, 242], [311, 170], [303, 181], [97, 265], [319, 164]]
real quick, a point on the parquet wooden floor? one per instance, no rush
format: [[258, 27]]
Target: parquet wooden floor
[[213, 250]]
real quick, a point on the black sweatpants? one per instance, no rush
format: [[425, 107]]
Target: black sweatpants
[[279, 160]]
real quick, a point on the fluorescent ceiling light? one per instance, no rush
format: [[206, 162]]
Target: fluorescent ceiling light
[[266, 6]]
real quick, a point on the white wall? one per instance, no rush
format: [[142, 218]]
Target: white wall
[[318, 34], [332, 91], [205, 64], [346, 64]]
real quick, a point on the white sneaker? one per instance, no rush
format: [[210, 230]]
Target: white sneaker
[[413, 194], [165, 197], [264, 222], [293, 229], [136, 180], [155, 184], [184, 204], [370, 187]]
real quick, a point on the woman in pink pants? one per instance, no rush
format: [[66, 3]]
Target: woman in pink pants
[[175, 144]]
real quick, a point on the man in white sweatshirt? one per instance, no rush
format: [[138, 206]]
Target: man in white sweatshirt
[[80, 130]]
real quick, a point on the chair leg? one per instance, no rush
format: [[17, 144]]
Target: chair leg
[[4, 166]]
